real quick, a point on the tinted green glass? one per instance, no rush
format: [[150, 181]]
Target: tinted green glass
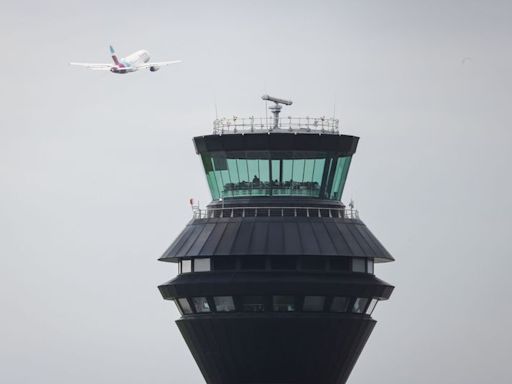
[[233, 171], [298, 170], [348, 160], [309, 167], [318, 170], [337, 177], [314, 174], [264, 170], [275, 177], [340, 177], [287, 170], [254, 170], [210, 176]]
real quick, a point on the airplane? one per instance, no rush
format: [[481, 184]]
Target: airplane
[[131, 63]]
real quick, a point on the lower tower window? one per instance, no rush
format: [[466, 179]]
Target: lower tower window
[[186, 266], [201, 304], [202, 265], [339, 264], [369, 265], [253, 303], [224, 263], [283, 262], [372, 306], [339, 304], [184, 306], [224, 303], [313, 263], [358, 265], [283, 303], [252, 262], [313, 303], [359, 305]]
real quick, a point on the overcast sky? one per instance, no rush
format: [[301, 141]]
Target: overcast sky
[[96, 170]]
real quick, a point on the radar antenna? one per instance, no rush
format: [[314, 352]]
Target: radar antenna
[[276, 108]]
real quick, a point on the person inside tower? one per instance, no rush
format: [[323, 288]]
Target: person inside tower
[[255, 180]]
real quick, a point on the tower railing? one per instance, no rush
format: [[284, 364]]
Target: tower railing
[[246, 211], [253, 124]]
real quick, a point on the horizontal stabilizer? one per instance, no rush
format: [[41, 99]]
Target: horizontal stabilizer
[[95, 66]]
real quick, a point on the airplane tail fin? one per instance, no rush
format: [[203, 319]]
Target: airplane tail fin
[[114, 56]]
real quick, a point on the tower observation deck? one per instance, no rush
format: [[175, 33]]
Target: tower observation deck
[[276, 278]]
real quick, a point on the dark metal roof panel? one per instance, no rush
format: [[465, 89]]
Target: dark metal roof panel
[[367, 250], [243, 238], [213, 240], [227, 239], [361, 229], [308, 239], [382, 252], [338, 240], [276, 236], [201, 239], [259, 238], [324, 240], [275, 245], [292, 245], [191, 240], [178, 242], [349, 239]]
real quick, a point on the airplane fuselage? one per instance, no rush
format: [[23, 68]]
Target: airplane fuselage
[[129, 63]]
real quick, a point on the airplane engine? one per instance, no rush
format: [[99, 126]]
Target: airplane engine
[[154, 69]]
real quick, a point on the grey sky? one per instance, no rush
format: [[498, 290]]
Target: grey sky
[[96, 171]]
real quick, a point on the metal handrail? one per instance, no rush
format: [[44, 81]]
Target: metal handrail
[[209, 213], [251, 124]]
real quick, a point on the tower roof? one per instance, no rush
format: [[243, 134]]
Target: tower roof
[[343, 145], [276, 236]]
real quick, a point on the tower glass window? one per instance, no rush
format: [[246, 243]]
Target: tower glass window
[[283, 303], [339, 264], [313, 263], [358, 264], [260, 173], [184, 306], [201, 304], [253, 303], [224, 263], [313, 303], [339, 304], [359, 305], [202, 265], [283, 262], [371, 306], [252, 262], [369, 265], [224, 303], [186, 266]]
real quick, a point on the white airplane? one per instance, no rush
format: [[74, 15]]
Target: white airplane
[[134, 62]]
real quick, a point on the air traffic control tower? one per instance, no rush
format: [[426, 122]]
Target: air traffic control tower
[[276, 276]]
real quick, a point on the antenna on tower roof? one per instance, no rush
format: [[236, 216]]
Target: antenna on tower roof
[[276, 108]]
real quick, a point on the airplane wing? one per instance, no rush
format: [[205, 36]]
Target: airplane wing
[[94, 66], [157, 64]]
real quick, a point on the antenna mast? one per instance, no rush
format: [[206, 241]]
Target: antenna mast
[[276, 108]]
